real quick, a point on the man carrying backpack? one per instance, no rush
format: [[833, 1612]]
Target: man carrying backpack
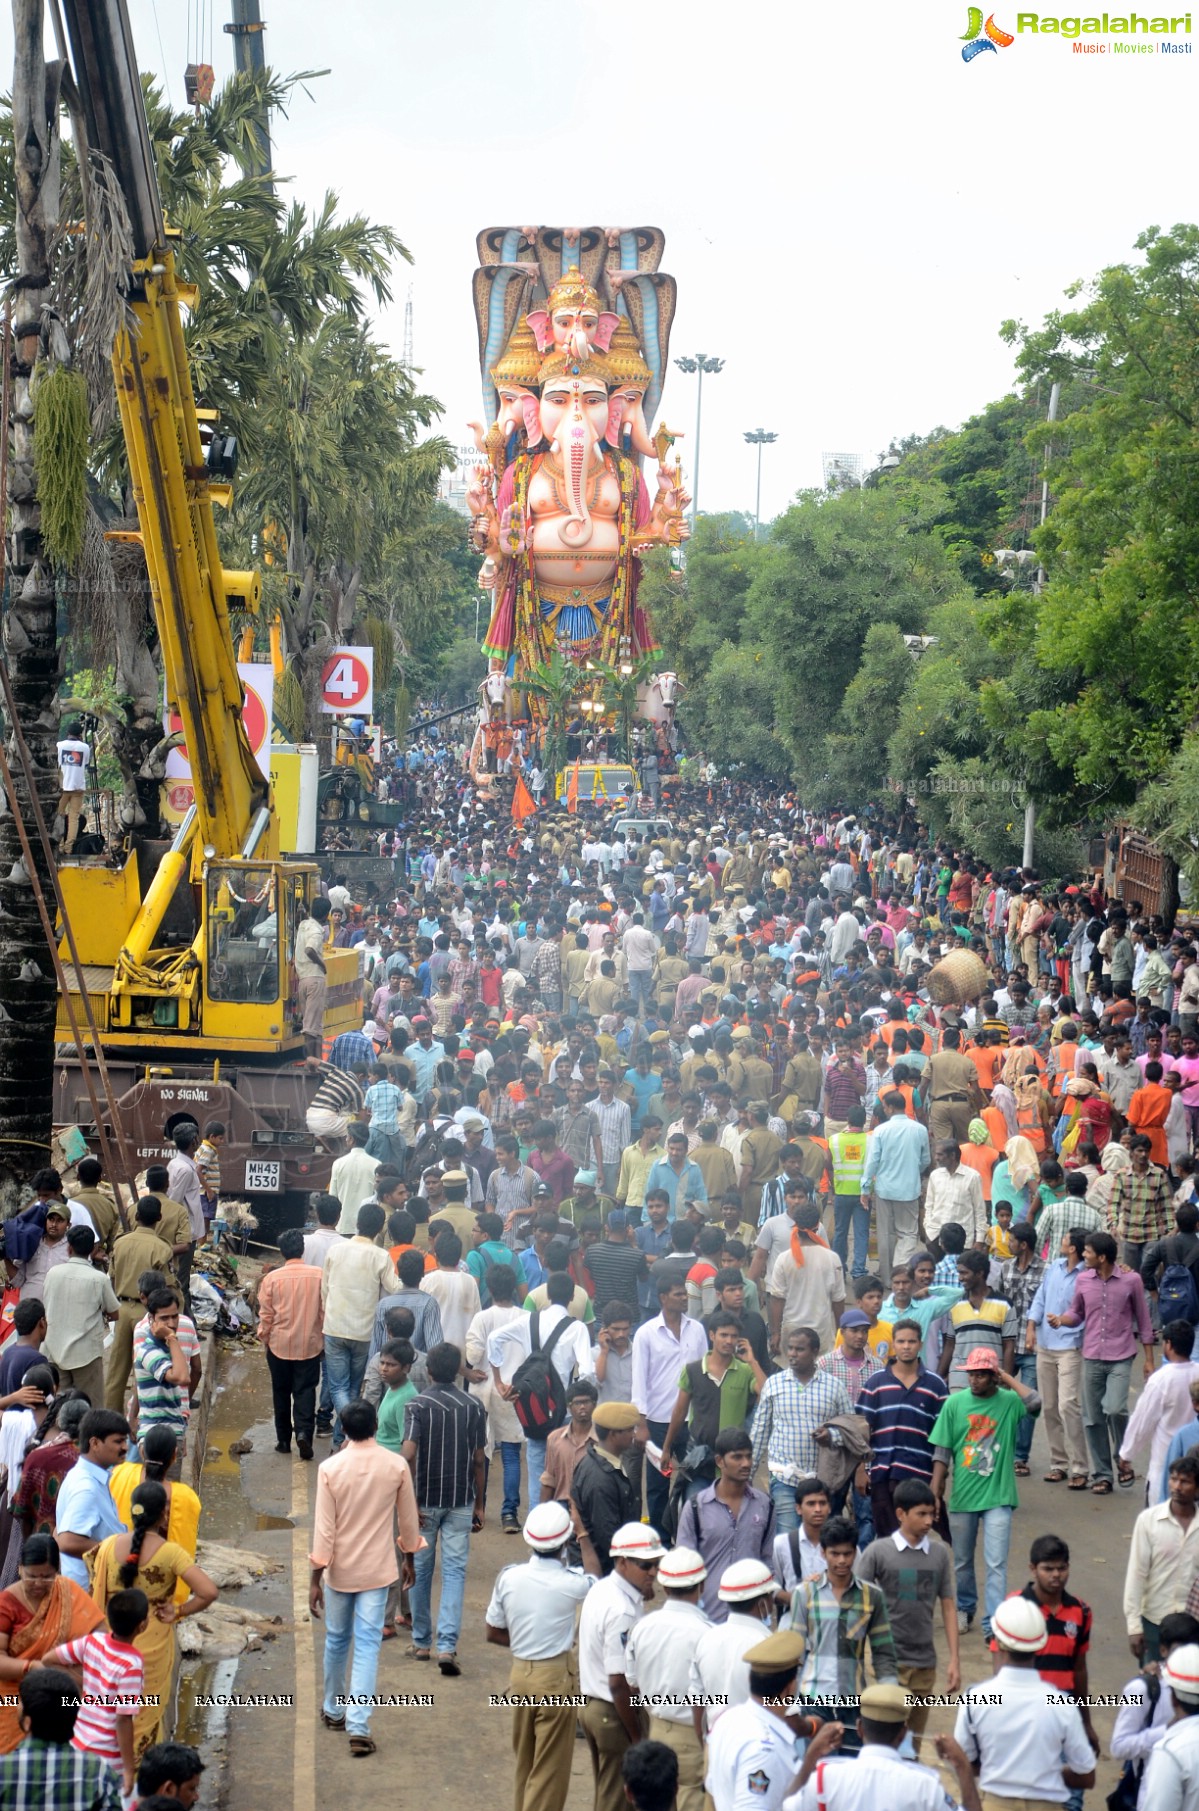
[[1146, 1712], [1170, 1268], [1164, 1405], [550, 1349]]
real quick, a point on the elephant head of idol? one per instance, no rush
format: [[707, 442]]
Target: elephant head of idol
[[572, 320], [573, 418], [627, 426]]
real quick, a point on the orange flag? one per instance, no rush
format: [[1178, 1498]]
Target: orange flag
[[523, 804], [572, 788]]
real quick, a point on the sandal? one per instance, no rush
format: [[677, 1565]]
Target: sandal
[[420, 1654], [1126, 1476], [1023, 1470], [389, 1632], [332, 1722], [361, 1746], [449, 1666], [1102, 1487], [1077, 1484], [1053, 1477]]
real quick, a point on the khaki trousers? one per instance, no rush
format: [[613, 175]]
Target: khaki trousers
[[993, 1802], [89, 1378], [120, 1355], [682, 1739], [1059, 1380], [920, 1681], [608, 1743], [543, 1740]]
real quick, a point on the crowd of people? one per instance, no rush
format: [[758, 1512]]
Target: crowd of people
[[98, 1531], [669, 1196]]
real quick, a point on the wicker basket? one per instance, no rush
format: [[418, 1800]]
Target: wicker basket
[[957, 978]]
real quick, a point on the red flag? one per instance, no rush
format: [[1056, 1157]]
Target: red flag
[[523, 803]]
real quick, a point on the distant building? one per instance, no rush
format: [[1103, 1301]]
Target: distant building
[[842, 471]]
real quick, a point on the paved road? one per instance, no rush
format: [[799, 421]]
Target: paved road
[[459, 1748]]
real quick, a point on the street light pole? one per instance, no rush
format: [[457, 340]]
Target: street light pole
[[1030, 810], [697, 366], [759, 438]]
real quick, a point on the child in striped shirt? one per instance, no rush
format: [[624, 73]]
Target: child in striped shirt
[[113, 1682]]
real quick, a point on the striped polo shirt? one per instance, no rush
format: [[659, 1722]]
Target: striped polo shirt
[[900, 1419]]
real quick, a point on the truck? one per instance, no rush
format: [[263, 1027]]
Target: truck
[[186, 948]]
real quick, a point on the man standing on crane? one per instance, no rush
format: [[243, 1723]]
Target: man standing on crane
[[312, 975]]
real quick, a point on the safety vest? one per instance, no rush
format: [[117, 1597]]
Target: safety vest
[[1066, 1054], [848, 1152], [1028, 1125]]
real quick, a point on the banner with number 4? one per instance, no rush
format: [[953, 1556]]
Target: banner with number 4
[[348, 682]]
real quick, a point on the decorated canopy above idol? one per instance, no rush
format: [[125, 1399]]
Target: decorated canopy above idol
[[574, 330]]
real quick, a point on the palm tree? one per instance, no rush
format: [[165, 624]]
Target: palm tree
[[620, 686], [557, 683], [27, 987]]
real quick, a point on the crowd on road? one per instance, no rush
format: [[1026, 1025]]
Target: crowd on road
[[99, 1366], [673, 1205]]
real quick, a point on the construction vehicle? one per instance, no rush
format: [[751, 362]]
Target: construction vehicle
[[186, 949]]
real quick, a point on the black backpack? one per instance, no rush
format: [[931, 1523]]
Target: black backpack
[[538, 1392], [1124, 1794]]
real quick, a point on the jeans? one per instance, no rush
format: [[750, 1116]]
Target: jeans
[[453, 1528], [848, 1211], [786, 1510], [293, 1394], [641, 990], [997, 1535], [388, 1147], [535, 1462], [1026, 1371], [345, 1364], [1105, 1411], [657, 1488], [510, 1459], [356, 1616]]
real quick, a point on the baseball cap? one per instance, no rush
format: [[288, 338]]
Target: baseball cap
[[981, 1359], [636, 1540], [854, 1317], [681, 1569], [1018, 1624], [466, 1056], [744, 1580], [547, 1527]]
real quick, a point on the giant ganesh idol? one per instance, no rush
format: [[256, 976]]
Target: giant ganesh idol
[[560, 510]]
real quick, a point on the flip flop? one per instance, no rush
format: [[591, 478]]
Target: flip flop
[[1077, 1484], [1054, 1477], [1126, 1477], [1023, 1470], [1102, 1487]]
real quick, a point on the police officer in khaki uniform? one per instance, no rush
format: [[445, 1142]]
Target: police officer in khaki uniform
[[532, 1612], [611, 1722], [133, 1252]]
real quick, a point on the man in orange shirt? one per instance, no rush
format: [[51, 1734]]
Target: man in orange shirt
[[290, 1327], [978, 1153], [1147, 1112]]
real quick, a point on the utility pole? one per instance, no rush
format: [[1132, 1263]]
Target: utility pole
[[1030, 810], [759, 438], [250, 59], [697, 366]]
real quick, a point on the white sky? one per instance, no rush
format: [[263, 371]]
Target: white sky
[[849, 209]]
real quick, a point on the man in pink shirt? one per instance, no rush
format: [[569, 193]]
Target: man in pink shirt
[[365, 1509], [1187, 1066]]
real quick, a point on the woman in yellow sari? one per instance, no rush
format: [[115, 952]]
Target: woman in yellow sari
[[39, 1612], [147, 1559], [159, 1447]]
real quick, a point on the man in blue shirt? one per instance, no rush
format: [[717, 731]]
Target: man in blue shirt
[[653, 1238], [645, 1083], [682, 1180], [423, 1057], [1059, 1363], [85, 1512], [897, 1157]]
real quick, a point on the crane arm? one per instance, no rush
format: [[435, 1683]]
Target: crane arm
[[171, 481]]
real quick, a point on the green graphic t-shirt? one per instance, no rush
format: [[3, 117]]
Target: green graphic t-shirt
[[980, 1431]]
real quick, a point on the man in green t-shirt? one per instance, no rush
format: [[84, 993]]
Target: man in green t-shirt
[[976, 1429], [396, 1359], [715, 1392]]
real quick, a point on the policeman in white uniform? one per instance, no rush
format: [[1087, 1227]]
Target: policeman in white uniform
[[1172, 1776], [875, 1779], [532, 1612], [1027, 1745], [658, 1661], [611, 1723], [719, 1673], [755, 1748]]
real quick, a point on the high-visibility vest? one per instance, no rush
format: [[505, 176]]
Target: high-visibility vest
[[1066, 1054], [1028, 1125], [848, 1152]]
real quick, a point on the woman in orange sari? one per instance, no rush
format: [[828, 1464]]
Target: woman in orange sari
[[39, 1612]]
